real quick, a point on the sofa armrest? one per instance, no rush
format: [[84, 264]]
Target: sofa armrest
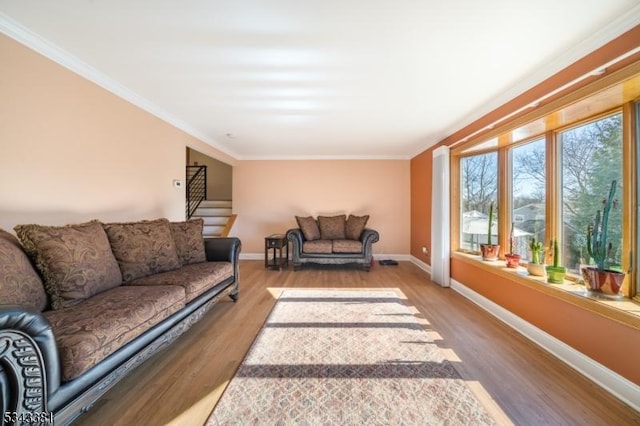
[[296, 237], [222, 249], [29, 363], [369, 236]]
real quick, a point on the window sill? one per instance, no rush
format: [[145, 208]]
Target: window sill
[[625, 311]]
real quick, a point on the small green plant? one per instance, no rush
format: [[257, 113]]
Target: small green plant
[[597, 246], [536, 248], [556, 253]]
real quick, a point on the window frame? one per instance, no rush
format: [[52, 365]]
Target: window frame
[[630, 111]]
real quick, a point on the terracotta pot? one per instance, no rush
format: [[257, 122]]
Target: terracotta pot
[[556, 274], [513, 260], [605, 281], [489, 251], [536, 269]]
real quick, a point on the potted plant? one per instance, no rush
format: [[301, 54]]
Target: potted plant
[[555, 272], [536, 265], [600, 278], [513, 259], [490, 251]]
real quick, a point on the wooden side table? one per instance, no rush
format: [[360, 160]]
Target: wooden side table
[[276, 242]]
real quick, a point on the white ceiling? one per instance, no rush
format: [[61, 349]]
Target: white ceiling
[[317, 78]]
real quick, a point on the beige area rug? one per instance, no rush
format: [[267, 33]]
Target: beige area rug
[[332, 357]]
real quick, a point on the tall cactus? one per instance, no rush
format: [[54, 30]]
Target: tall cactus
[[490, 223], [597, 245]]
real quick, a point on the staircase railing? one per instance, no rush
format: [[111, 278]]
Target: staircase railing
[[196, 188]]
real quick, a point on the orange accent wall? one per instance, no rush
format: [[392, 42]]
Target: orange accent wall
[[421, 204], [606, 341], [613, 344]]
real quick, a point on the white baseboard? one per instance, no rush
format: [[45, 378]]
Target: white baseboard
[[420, 264], [619, 386]]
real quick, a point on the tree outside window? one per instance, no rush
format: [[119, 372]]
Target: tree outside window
[[591, 159], [528, 181], [479, 187]]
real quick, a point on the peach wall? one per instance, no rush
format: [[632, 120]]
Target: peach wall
[[267, 195], [71, 151], [616, 343]]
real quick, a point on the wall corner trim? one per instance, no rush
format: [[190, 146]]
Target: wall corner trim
[[420, 264], [619, 386]]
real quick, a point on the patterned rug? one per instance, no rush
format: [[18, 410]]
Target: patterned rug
[[335, 357]]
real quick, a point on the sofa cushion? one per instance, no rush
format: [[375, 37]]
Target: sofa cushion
[[143, 248], [317, 246], [75, 261], [189, 241], [20, 284], [196, 278], [309, 228], [347, 246], [90, 331], [354, 227], [332, 227]]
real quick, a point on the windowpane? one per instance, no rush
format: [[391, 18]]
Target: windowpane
[[591, 160], [478, 188], [528, 174]]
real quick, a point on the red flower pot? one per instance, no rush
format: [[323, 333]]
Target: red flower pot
[[513, 260], [603, 281], [489, 251]]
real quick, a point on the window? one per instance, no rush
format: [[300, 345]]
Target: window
[[528, 194], [478, 189], [591, 158], [549, 170]]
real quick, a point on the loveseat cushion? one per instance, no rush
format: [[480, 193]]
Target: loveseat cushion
[[20, 284], [309, 228], [189, 241], [196, 278], [75, 261], [143, 248], [355, 225], [346, 246], [88, 332], [332, 227], [317, 246]]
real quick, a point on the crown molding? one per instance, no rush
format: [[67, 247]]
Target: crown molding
[[39, 44], [321, 157], [598, 39]]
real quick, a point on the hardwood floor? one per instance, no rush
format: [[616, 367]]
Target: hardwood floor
[[181, 385]]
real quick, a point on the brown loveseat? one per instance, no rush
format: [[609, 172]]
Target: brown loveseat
[[332, 240], [82, 305]]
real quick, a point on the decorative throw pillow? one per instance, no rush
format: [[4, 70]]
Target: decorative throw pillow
[[189, 241], [20, 284], [332, 227], [143, 248], [309, 228], [75, 261], [355, 226]]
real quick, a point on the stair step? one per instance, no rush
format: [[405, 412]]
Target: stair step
[[212, 230], [213, 211], [213, 220], [216, 203]]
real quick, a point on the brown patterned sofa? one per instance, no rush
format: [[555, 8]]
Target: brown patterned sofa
[[332, 240], [82, 305]]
